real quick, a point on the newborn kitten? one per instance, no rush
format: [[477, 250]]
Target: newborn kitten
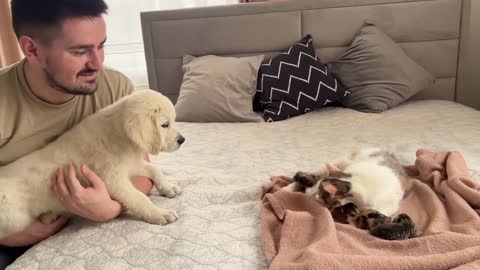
[[378, 224], [371, 179]]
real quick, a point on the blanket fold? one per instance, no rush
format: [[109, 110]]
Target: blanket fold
[[443, 201]]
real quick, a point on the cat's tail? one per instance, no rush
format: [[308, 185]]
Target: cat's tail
[[402, 227]]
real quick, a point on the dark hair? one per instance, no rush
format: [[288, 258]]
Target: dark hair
[[32, 17]]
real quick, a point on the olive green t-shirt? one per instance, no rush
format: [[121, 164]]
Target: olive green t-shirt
[[28, 123]]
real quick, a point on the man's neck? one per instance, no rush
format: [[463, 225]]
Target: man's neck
[[40, 87]]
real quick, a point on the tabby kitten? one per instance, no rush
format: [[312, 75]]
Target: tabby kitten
[[379, 225], [369, 184]]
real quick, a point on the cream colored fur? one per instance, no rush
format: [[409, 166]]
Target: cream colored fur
[[112, 142]]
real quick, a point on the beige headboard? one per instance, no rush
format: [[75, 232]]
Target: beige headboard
[[435, 33]]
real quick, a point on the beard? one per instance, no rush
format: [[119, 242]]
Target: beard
[[74, 90]]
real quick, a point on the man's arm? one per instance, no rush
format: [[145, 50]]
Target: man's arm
[[36, 232]]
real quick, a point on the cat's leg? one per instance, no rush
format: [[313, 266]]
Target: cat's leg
[[294, 187], [340, 164], [310, 179], [302, 181], [329, 168], [307, 179]]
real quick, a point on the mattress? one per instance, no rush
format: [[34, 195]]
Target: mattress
[[221, 168]]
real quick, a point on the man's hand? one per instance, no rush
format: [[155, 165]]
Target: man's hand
[[36, 232], [143, 184], [92, 202]]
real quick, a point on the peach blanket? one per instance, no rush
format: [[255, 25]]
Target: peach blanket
[[299, 233]]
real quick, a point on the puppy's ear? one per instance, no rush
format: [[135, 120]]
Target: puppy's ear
[[142, 129]]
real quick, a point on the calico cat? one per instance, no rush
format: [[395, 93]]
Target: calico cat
[[367, 186]]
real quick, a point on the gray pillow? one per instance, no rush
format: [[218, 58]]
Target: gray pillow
[[218, 89], [377, 72]]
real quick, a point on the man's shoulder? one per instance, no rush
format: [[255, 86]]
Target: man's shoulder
[[115, 83], [113, 73], [115, 76], [8, 72], [8, 87]]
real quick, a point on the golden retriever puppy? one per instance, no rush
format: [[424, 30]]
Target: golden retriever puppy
[[112, 142]]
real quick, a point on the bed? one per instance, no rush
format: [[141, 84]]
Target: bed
[[222, 166]]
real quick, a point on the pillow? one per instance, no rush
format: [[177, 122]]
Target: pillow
[[295, 82], [377, 73], [218, 89]]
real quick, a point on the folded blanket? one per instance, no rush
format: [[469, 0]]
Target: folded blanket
[[443, 202]]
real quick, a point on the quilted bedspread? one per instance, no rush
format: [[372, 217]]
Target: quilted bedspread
[[221, 169]]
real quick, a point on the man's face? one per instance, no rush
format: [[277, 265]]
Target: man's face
[[71, 61]]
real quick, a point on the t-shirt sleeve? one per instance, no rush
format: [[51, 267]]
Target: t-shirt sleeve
[[125, 85], [118, 84], [128, 87]]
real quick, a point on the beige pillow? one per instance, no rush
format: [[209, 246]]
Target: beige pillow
[[218, 89]]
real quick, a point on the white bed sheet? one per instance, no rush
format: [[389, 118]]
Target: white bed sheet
[[221, 168]]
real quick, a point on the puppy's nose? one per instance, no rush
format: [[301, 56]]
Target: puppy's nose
[[180, 139]]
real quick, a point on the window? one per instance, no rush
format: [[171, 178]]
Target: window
[[124, 47]]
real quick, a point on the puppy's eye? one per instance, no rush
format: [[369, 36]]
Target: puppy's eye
[[166, 125]]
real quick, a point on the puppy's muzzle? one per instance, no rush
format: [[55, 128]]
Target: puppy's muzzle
[[180, 139]]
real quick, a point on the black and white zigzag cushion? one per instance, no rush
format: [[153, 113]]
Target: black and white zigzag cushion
[[295, 82]]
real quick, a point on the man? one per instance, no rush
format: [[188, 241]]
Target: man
[[60, 81]]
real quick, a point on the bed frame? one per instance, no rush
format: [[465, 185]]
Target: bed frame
[[438, 34]]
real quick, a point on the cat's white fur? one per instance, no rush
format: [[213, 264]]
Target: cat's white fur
[[374, 186], [112, 142]]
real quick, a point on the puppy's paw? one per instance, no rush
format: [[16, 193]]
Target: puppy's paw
[[48, 217], [170, 190], [164, 217]]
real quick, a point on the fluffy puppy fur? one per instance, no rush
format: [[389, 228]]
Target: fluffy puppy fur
[[112, 142]]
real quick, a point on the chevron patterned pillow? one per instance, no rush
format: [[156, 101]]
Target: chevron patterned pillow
[[295, 82]]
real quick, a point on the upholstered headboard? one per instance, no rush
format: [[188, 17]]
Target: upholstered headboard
[[432, 32]]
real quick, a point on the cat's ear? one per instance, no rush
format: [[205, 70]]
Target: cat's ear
[[336, 187], [332, 169], [330, 189]]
